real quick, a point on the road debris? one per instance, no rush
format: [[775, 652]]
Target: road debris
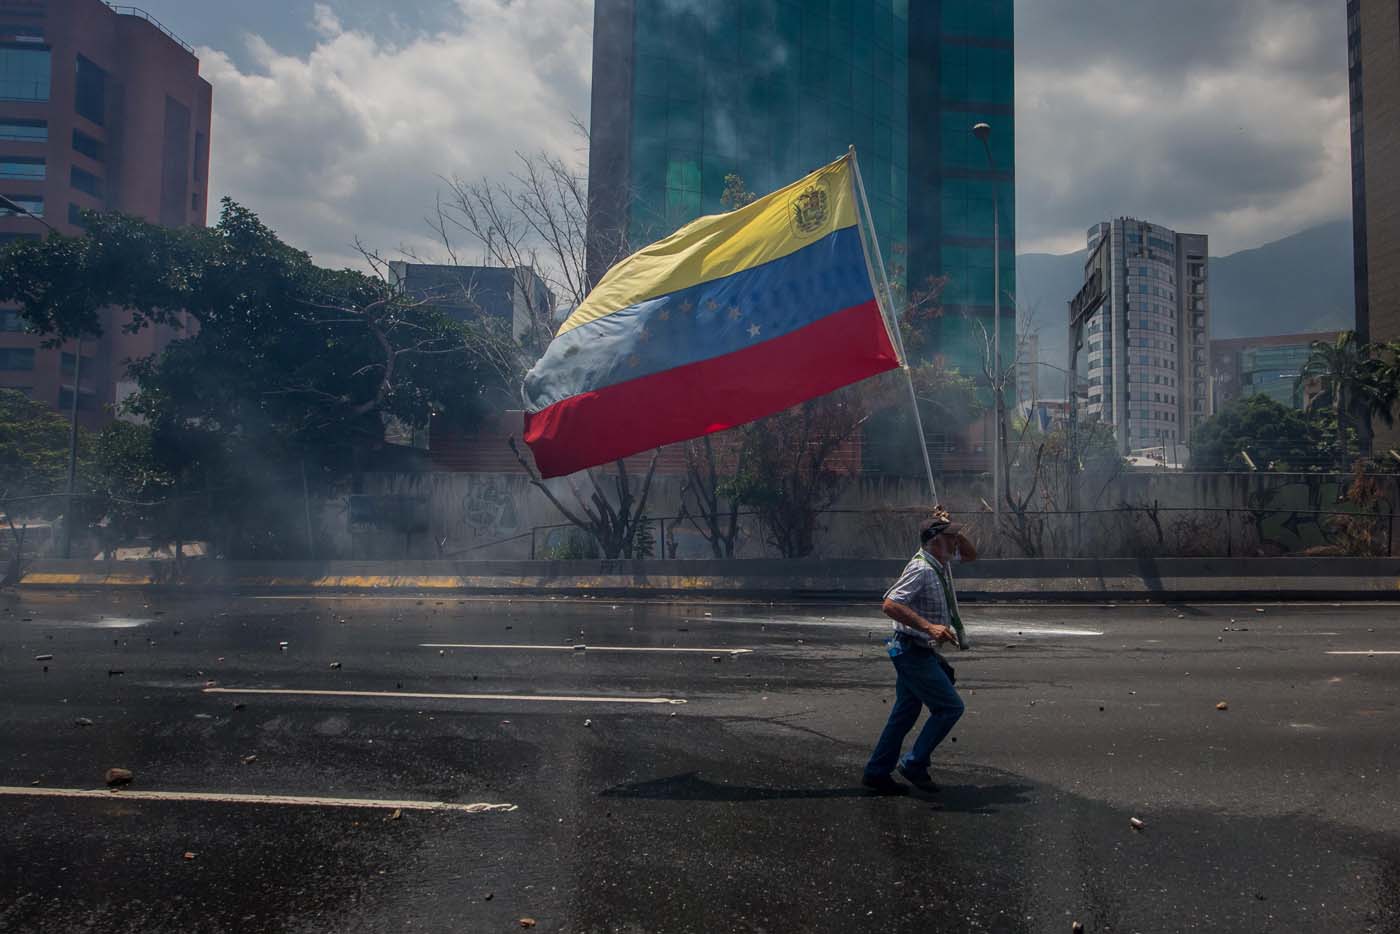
[[396, 815], [588, 723], [113, 672], [189, 855], [43, 658], [82, 721], [1222, 706], [117, 777], [335, 666], [250, 759], [528, 922], [1076, 928], [1135, 823]]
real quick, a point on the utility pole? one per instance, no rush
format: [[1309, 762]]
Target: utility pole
[[983, 131], [68, 514]]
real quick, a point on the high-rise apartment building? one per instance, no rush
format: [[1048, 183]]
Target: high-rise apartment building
[[684, 94], [1373, 56], [100, 108], [1148, 353]]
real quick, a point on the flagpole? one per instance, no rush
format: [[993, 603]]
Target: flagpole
[[869, 223]]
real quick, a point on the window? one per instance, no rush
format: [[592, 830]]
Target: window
[[16, 358], [201, 155], [65, 368], [33, 204], [10, 320], [25, 131], [24, 73], [88, 146], [86, 182], [90, 93], [31, 169], [75, 215]]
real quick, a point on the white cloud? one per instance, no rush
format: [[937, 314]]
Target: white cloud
[[1227, 119], [350, 140], [1224, 119]]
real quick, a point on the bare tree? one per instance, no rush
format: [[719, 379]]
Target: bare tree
[[704, 500], [618, 528], [535, 222]]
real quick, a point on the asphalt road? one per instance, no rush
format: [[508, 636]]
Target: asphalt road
[[616, 809]]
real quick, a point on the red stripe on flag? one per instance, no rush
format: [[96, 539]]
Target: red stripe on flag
[[697, 399]]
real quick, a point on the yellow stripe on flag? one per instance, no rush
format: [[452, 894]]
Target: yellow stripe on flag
[[720, 245]]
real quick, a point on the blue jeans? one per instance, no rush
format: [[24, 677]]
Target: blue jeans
[[919, 682]]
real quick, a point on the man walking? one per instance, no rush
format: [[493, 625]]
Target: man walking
[[924, 610]]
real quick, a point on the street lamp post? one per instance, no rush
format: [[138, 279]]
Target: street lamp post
[[983, 132], [7, 204]]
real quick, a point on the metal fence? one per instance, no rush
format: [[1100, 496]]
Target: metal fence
[[1126, 530]]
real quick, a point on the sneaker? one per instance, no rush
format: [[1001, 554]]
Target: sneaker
[[919, 778], [883, 785]]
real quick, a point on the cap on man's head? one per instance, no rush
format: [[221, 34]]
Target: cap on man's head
[[940, 523]]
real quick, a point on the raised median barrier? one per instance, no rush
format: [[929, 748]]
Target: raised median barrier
[[995, 579]]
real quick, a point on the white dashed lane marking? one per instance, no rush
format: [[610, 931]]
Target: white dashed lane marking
[[215, 797], [1362, 652], [542, 698], [581, 648]]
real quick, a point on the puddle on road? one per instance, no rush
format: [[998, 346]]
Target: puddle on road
[[105, 622]]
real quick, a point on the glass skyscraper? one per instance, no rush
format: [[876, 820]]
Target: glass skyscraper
[[686, 92]]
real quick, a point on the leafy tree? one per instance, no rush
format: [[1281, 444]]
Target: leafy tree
[[1356, 386], [1272, 435], [143, 490], [789, 469], [33, 453], [279, 361], [34, 443]]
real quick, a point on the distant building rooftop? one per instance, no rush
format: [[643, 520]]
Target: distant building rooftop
[[142, 14]]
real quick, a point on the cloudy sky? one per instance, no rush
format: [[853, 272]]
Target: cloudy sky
[[336, 119]]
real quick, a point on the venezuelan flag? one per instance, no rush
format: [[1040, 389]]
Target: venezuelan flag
[[733, 317]]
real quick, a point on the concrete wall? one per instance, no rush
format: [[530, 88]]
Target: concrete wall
[[465, 516]]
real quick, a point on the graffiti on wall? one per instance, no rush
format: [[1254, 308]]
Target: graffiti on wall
[[488, 509]]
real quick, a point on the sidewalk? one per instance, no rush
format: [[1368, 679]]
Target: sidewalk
[[1000, 579]]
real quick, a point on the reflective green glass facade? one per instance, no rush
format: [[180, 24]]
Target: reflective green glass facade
[[688, 91], [769, 90]]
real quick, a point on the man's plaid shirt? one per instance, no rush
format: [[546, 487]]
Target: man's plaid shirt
[[919, 589]]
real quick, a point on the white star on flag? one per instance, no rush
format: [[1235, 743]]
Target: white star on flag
[[753, 330]]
